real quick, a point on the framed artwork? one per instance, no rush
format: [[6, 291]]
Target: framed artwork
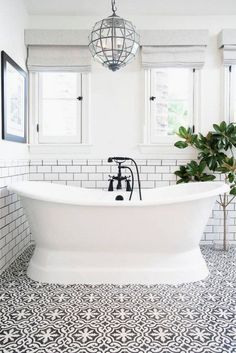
[[14, 100]]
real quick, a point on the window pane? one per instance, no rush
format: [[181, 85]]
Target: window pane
[[59, 85], [174, 99], [59, 109], [59, 117], [233, 95]]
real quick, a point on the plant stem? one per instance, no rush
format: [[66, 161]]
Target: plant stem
[[221, 201], [230, 200], [224, 205]]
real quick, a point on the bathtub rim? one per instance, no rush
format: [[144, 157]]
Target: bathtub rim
[[220, 188]]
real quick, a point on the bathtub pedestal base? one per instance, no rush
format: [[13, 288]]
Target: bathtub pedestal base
[[71, 267]]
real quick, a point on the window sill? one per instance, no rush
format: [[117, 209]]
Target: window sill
[[166, 149], [62, 149]]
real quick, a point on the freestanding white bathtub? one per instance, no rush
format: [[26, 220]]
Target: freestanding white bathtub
[[85, 236]]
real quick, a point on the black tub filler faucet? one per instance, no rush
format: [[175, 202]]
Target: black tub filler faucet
[[120, 178]]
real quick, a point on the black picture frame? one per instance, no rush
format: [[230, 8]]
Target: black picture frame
[[14, 100]]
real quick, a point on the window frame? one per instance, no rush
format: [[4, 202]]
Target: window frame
[[229, 92], [169, 140], [34, 117]]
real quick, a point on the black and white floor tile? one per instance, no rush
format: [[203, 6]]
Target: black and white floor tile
[[190, 318]]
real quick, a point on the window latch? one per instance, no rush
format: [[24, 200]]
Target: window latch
[[152, 98], [80, 98], [37, 127]]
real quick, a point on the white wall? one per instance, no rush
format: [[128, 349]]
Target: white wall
[[118, 99], [13, 20]]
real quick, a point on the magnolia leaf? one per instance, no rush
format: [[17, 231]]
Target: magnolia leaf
[[216, 127], [207, 177], [202, 166], [223, 126], [181, 144], [183, 132], [233, 191], [231, 177], [181, 181], [215, 153]]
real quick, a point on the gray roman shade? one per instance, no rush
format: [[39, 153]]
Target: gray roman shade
[[173, 48], [65, 50], [227, 43]]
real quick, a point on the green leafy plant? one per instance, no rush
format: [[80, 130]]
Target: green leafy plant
[[193, 171], [215, 156]]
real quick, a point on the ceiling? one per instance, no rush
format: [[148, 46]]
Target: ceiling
[[131, 7]]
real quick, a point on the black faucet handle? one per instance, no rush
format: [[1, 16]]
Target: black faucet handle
[[110, 187], [128, 187]]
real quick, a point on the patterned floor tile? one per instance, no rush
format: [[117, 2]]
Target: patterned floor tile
[[191, 318]]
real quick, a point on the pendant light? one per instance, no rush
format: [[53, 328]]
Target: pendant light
[[113, 41]]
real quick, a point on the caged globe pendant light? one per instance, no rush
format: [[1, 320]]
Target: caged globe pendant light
[[113, 41]]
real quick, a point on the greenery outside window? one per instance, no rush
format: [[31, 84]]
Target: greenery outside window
[[171, 101]]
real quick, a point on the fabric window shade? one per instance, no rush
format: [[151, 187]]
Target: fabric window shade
[[154, 57], [57, 50], [63, 58], [174, 49], [229, 55], [227, 43]]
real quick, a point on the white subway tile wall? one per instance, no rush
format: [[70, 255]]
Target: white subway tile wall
[[153, 173], [14, 229]]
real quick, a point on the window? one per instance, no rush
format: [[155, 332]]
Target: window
[[230, 106], [59, 107], [172, 102]]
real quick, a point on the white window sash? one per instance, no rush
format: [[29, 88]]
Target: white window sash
[[230, 93], [84, 116], [60, 139], [149, 138], [86, 108], [226, 91]]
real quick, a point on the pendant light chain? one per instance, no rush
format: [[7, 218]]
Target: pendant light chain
[[113, 6]]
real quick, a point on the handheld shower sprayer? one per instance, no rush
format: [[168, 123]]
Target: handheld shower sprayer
[[117, 159]]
